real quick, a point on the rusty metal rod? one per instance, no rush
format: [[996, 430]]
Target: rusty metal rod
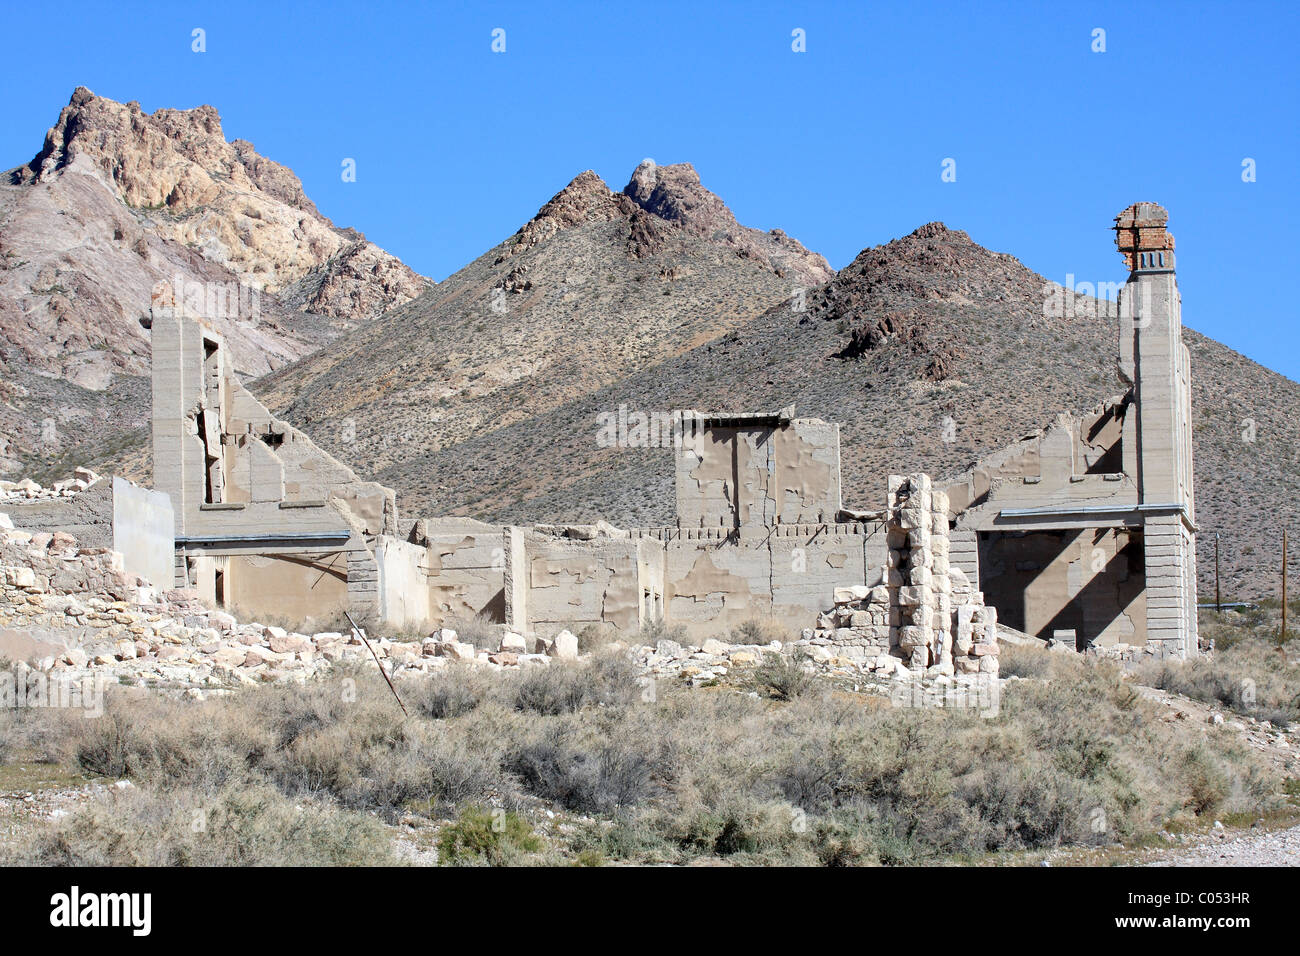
[[362, 634]]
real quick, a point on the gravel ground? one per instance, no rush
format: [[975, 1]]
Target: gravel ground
[[1276, 848]]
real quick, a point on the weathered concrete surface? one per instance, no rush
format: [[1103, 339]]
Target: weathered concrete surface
[[143, 531], [752, 471], [610, 581]]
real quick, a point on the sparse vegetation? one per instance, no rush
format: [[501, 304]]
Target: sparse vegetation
[[481, 836], [312, 773], [478, 630], [784, 678], [1250, 671], [182, 826], [755, 631]]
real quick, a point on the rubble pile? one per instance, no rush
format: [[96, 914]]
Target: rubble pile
[[925, 616], [82, 479]]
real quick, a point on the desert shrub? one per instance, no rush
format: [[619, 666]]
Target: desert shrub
[[1024, 661], [614, 769], [372, 765], [1251, 676], [480, 836], [755, 631], [593, 637], [428, 770], [479, 630], [245, 825], [607, 680], [1207, 784], [743, 826], [784, 678], [161, 740], [448, 693], [655, 631]]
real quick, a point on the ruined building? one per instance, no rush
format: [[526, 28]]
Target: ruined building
[[1084, 532], [1087, 531]]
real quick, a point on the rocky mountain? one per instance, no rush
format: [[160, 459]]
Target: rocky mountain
[[931, 350], [597, 286], [121, 206], [484, 395]]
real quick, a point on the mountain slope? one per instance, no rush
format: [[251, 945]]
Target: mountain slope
[[594, 287], [924, 329], [119, 207]]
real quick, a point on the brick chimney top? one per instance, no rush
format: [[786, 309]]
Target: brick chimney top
[[1141, 229]]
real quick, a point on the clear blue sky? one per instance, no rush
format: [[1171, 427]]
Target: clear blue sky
[[457, 146]]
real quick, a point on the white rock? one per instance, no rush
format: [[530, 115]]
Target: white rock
[[565, 646], [457, 650]]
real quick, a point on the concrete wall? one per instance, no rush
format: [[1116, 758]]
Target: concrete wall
[[301, 589], [1078, 461], [143, 530], [251, 493], [750, 471], [612, 583], [403, 587], [465, 563], [1090, 581], [784, 575]]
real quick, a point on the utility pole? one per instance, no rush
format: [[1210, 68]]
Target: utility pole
[[1284, 585]]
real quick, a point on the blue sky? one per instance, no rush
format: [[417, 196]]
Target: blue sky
[[456, 146]]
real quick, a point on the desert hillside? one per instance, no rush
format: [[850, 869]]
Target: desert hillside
[[120, 206], [924, 329], [599, 285]]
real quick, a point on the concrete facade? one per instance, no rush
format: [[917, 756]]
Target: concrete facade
[[113, 514], [1084, 532]]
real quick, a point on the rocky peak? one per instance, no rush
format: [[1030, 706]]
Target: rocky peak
[[659, 203], [239, 209], [934, 262], [586, 199], [675, 194]]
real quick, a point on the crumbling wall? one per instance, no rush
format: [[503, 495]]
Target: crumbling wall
[[108, 513], [1076, 459], [464, 564], [753, 471], [715, 582], [88, 516], [924, 611], [607, 579]]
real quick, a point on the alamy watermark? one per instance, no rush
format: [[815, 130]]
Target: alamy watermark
[[236, 301], [36, 690], [634, 428], [1090, 300], [983, 695]]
